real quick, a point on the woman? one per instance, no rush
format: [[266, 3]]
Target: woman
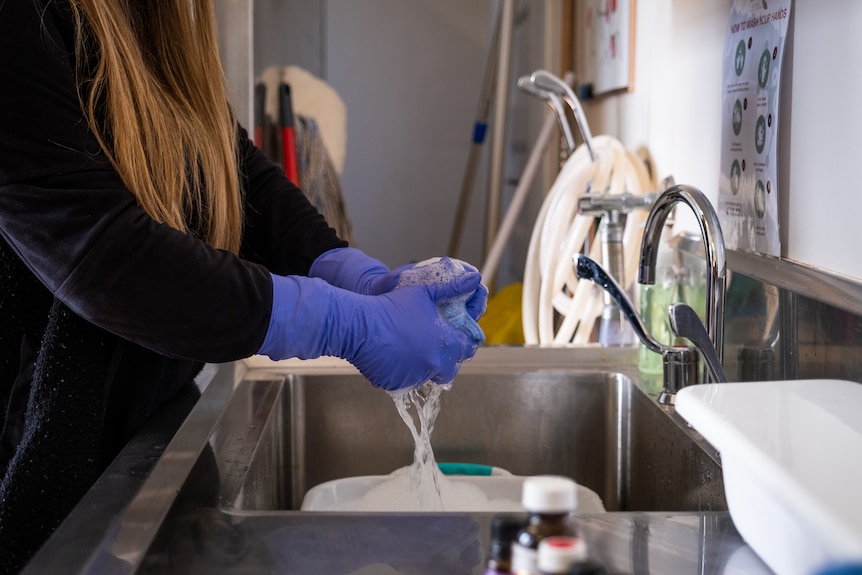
[[143, 234]]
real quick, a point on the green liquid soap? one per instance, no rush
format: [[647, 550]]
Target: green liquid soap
[[655, 302]]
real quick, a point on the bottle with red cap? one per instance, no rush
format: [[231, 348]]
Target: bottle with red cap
[[567, 556], [558, 554], [549, 501]]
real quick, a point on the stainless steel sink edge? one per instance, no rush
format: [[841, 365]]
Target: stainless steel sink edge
[[121, 514]]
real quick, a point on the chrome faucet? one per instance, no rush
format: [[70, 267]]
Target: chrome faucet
[[713, 240], [680, 362]]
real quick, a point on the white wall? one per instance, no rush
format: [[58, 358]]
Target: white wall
[[675, 109], [289, 32], [410, 74], [825, 204]]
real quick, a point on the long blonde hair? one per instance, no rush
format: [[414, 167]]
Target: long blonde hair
[[153, 91]]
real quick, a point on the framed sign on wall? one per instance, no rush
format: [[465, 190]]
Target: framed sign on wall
[[606, 43]]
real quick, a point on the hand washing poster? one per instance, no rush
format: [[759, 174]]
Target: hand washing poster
[[749, 188]]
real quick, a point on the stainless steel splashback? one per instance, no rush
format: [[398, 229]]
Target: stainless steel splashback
[[785, 320]]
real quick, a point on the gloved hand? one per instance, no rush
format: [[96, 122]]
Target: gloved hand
[[396, 340], [352, 269]]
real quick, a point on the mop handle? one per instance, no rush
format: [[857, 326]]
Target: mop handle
[[288, 134]]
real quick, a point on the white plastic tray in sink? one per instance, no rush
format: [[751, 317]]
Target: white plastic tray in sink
[[791, 454], [469, 493]]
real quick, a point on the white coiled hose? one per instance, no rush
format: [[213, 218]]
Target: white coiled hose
[[550, 282]]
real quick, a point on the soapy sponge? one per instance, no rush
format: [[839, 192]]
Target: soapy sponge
[[454, 310]]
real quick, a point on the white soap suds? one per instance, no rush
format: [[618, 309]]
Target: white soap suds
[[453, 310]]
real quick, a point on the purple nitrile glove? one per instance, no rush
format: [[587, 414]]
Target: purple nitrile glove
[[353, 270], [396, 340]]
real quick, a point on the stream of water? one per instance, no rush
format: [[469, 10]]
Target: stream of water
[[421, 486], [424, 478]]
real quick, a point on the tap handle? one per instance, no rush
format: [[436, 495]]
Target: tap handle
[[555, 102], [587, 268], [546, 80], [685, 323]]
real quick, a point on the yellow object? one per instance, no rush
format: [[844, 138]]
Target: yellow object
[[502, 322]]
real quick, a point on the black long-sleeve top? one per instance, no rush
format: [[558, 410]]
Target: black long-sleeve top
[[150, 304], [66, 213]]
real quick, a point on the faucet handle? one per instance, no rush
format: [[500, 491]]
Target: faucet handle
[[685, 323], [587, 268]]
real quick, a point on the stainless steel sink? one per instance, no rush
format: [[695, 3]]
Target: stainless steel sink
[[224, 494], [283, 434]]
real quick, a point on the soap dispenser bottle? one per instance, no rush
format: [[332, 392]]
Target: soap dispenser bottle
[[655, 299], [680, 277]]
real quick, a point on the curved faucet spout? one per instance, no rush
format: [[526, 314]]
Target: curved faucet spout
[[713, 239]]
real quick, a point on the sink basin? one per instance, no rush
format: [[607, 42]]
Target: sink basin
[[282, 435], [224, 495]]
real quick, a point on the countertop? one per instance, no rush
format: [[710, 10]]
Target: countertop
[[444, 543], [150, 513]]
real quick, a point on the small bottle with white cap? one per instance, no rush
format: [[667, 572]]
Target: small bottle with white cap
[[550, 501]]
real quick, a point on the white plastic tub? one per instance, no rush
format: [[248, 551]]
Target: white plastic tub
[[386, 493], [790, 454]]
